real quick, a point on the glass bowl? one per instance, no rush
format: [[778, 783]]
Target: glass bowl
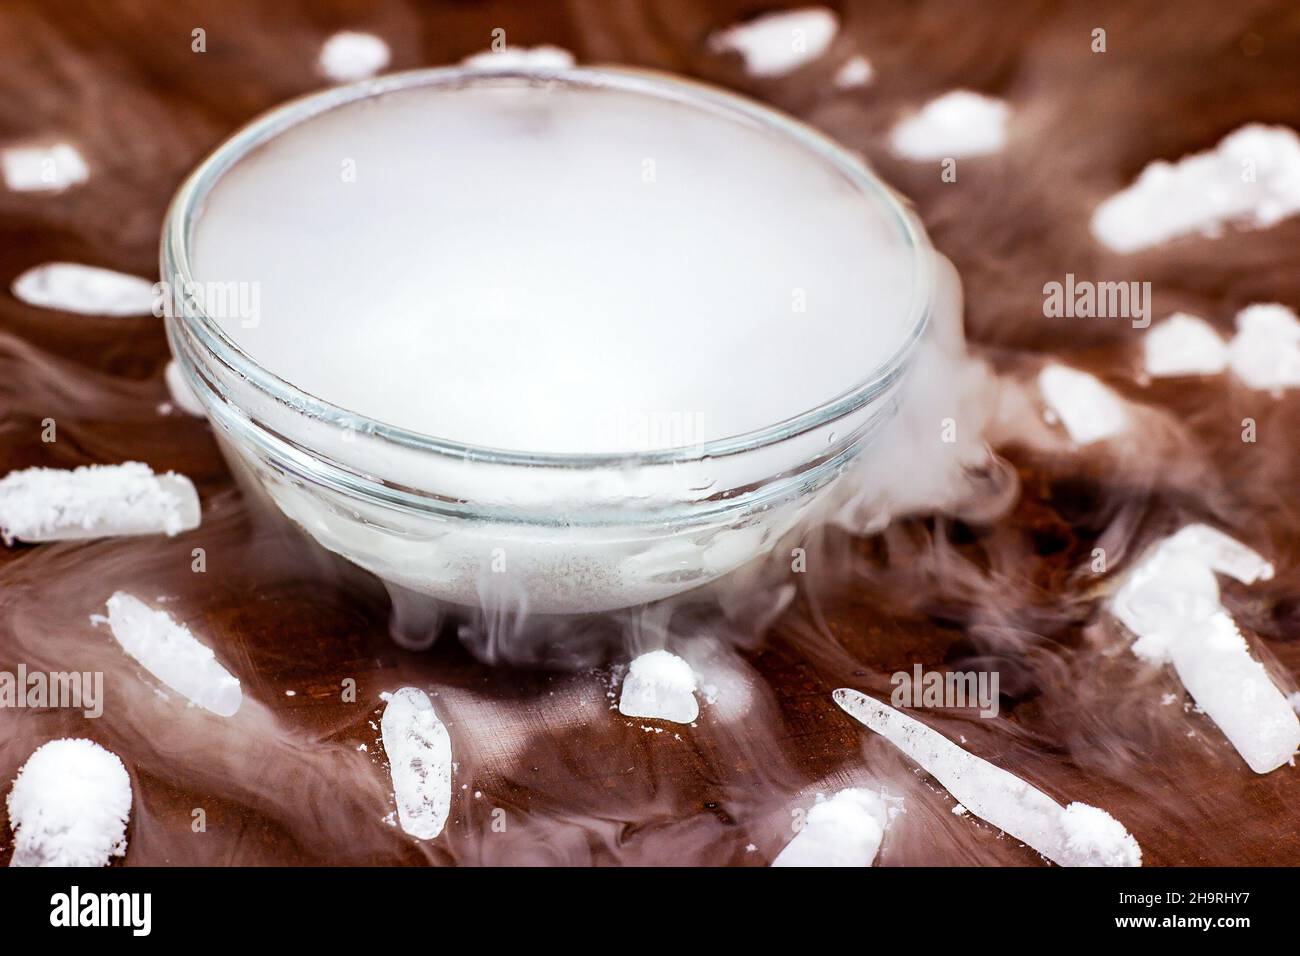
[[546, 532]]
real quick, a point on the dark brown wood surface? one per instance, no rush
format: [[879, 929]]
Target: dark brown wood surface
[[287, 781]]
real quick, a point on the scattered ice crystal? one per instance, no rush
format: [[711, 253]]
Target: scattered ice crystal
[[350, 56], [1174, 583], [855, 72], [1215, 665], [49, 168], [1252, 178], [660, 685], [1088, 409], [69, 806], [172, 654], [999, 797], [95, 501], [1170, 602], [1094, 838], [521, 58], [775, 44], [845, 830], [1265, 352], [88, 290], [960, 123], [1184, 345], [1221, 552], [419, 757]]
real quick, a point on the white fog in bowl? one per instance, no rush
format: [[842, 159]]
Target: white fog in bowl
[[576, 271]]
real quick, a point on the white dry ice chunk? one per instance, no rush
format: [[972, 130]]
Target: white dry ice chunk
[[182, 395], [419, 758], [855, 72], [521, 58], [845, 830], [1221, 552], [1159, 596], [51, 168], [779, 43], [95, 501], [1088, 409], [1214, 663], [69, 806], [659, 685], [1170, 602], [88, 290], [1183, 345], [350, 56], [960, 123], [1174, 583], [1094, 838], [172, 654], [1252, 178], [1265, 352], [1068, 837]]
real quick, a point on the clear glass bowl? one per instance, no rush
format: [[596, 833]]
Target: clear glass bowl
[[549, 533]]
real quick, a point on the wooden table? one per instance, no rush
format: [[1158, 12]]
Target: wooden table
[[547, 771]]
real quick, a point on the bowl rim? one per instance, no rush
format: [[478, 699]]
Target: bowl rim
[[187, 204]]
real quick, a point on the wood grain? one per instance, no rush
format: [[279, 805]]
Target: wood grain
[[575, 782]]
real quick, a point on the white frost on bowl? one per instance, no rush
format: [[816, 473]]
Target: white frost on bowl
[[779, 43], [1183, 345], [88, 290], [47, 168], [1252, 179], [845, 830], [660, 685], [419, 758], [69, 806], [1265, 352], [1088, 409], [544, 57], [349, 56], [95, 501], [172, 654], [960, 123]]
